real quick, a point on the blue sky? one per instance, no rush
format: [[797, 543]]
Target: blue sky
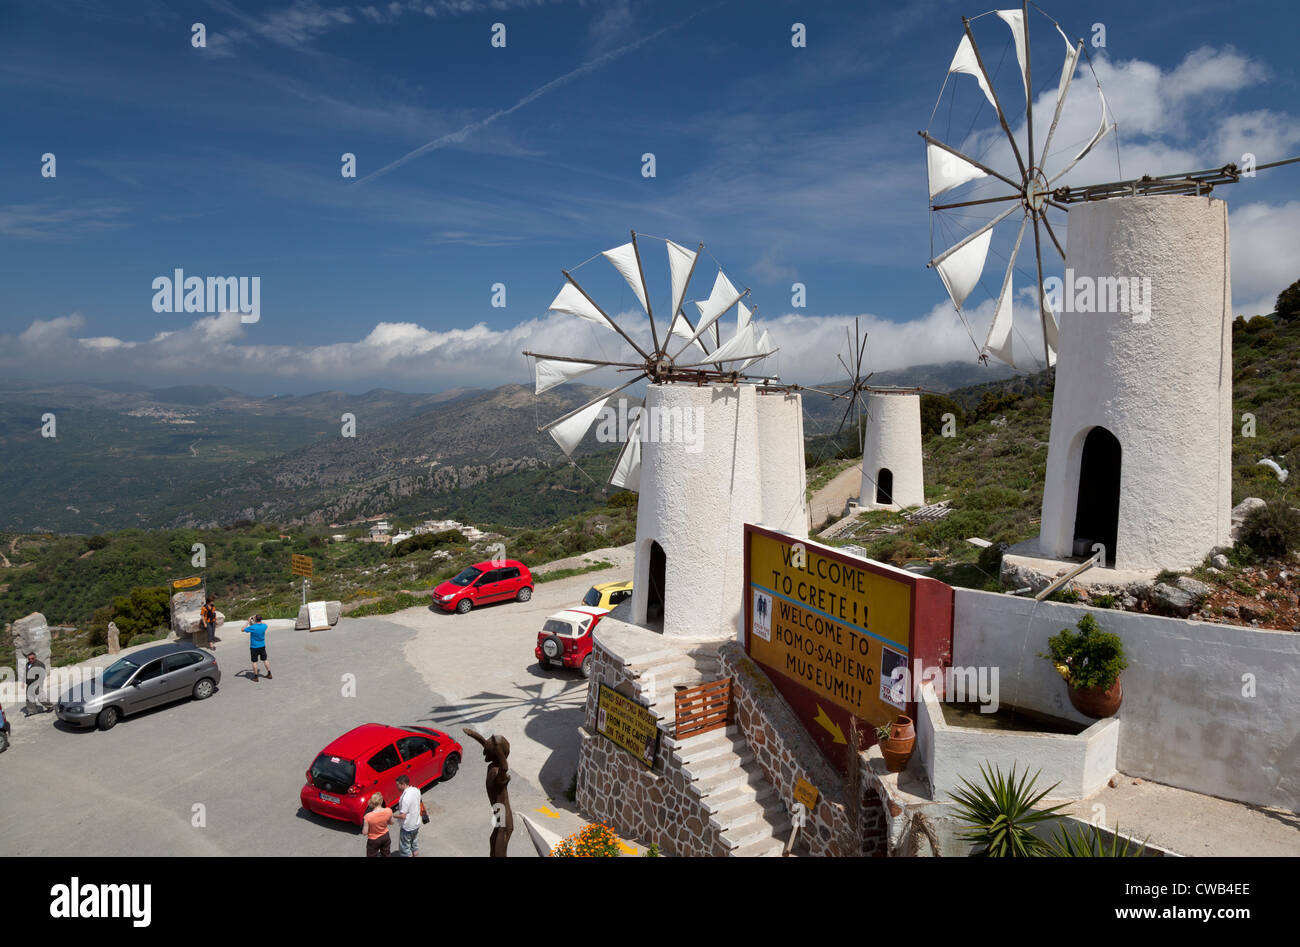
[[791, 164]]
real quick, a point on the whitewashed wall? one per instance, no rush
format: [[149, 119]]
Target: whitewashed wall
[[1185, 720], [893, 439], [1162, 387]]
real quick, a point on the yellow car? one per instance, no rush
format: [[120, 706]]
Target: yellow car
[[607, 594]]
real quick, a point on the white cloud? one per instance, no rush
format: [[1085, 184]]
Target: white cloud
[[1265, 253]]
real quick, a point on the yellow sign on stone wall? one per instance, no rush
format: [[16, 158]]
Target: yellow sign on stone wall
[[628, 724], [189, 583], [835, 628]]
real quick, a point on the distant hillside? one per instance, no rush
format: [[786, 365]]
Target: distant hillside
[[206, 456]]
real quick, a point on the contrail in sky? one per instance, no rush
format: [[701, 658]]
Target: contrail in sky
[[453, 138]]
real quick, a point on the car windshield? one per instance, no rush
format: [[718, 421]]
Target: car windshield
[[466, 576], [333, 773], [119, 672], [592, 597]]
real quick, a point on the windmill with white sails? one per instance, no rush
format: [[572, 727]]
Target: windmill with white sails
[[718, 442]]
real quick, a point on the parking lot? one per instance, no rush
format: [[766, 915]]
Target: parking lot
[[222, 776]]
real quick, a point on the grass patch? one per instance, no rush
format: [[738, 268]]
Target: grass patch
[[570, 573]]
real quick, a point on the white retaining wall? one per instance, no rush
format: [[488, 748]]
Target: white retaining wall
[[1185, 720]]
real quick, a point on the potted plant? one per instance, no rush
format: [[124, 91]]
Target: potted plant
[[1090, 660], [897, 740]]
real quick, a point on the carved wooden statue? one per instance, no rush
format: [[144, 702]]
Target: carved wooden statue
[[496, 749]]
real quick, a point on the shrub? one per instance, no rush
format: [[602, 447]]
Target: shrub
[[1000, 814], [142, 612], [1088, 658], [1272, 530], [990, 558]]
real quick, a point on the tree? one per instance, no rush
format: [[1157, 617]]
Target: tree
[[933, 408], [1288, 302]]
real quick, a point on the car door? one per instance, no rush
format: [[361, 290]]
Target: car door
[[179, 672], [146, 688], [510, 582], [489, 586], [387, 766], [418, 759]]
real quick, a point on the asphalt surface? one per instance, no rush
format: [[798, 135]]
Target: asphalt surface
[[222, 776]]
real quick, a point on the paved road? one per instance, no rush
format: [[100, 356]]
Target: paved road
[[221, 776]]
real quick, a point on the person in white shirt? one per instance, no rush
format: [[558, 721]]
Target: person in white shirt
[[408, 811]]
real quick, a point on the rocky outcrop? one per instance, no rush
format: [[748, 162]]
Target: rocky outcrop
[[32, 633], [1241, 511]]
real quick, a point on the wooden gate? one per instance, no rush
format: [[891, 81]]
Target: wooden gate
[[702, 708]]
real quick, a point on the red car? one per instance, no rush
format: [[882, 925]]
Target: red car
[[368, 760], [565, 639], [485, 582]]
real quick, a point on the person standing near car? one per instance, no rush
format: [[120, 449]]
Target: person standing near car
[[208, 621], [408, 809], [34, 677], [375, 825], [257, 644]]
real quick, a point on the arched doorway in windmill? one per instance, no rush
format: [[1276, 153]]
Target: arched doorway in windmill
[[885, 486], [1096, 515], [654, 612]]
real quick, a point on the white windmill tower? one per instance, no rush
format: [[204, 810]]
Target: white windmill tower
[[716, 445], [1139, 461], [893, 469]]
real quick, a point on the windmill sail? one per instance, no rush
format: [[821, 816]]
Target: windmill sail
[[964, 61], [743, 316], [947, 171], [960, 269], [1072, 54], [722, 298], [570, 300], [1051, 334], [625, 261], [998, 342], [569, 432], [742, 345], [550, 372], [765, 349], [627, 469], [680, 264], [1105, 129], [1016, 20]]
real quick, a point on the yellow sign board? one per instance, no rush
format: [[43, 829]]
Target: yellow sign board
[[300, 565], [805, 793], [189, 583], [836, 628], [628, 724]]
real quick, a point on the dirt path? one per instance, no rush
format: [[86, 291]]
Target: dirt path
[[828, 503]]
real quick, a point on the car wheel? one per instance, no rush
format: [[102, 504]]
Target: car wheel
[[463, 606], [4, 741], [524, 594], [450, 766], [108, 718], [204, 688], [586, 666]]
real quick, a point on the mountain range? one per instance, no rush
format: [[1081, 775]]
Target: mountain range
[[127, 456]]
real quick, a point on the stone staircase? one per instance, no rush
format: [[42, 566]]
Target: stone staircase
[[733, 792]]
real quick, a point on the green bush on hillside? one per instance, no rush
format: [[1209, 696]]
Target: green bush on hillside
[[1272, 530]]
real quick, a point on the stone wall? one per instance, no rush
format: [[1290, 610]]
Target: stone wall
[[786, 753], [652, 806]]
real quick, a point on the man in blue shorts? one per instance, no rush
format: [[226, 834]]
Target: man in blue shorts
[[257, 644]]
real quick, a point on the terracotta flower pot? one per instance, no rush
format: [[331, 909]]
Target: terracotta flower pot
[[1094, 702], [898, 746]]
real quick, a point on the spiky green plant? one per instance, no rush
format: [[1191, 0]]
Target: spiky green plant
[[1001, 814], [1088, 842]]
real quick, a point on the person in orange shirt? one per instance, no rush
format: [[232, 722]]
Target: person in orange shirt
[[208, 619], [375, 825]]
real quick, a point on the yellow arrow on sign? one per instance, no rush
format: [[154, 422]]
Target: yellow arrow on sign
[[548, 812], [831, 726]]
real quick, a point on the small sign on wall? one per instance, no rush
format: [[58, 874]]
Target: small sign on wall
[[629, 724]]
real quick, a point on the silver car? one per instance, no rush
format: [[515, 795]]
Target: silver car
[[146, 678]]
